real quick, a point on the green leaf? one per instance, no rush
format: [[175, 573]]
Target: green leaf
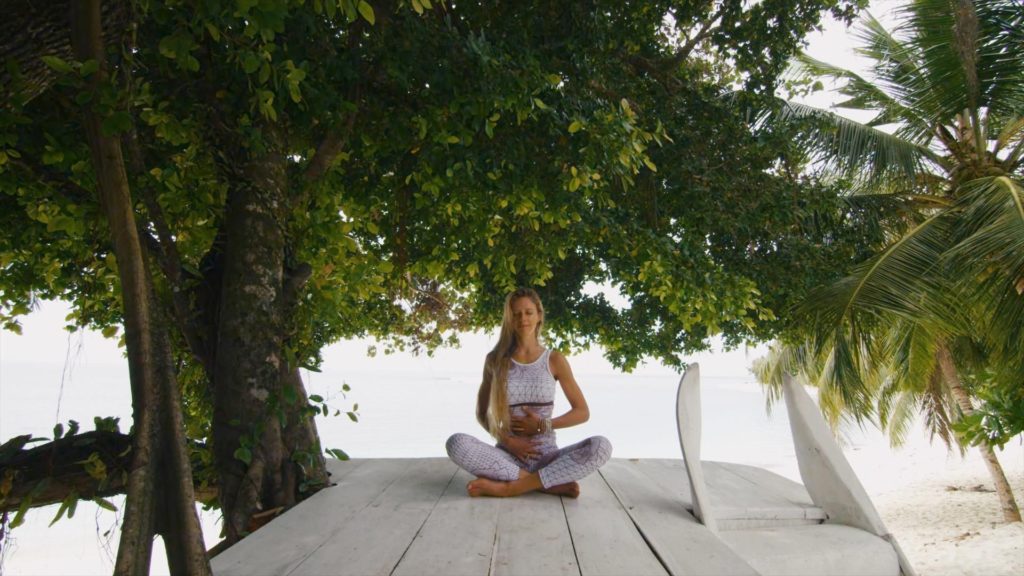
[[316, 398], [109, 331], [58, 431], [575, 127], [244, 454], [108, 424], [290, 396], [213, 30], [105, 504], [19, 518], [89, 67], [56, 64], [60, 512], [116, 123], [366, 11], [337, 453], [250, 62]]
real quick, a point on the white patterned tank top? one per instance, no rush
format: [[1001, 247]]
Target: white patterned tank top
[[533, 386]]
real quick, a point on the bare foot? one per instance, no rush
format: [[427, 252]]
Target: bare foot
[[570, 489], [487, 487], [527, 482]]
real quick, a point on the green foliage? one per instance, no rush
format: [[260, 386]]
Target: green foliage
[[1000, 416], [947, 278], [476, 147], [475, 117]]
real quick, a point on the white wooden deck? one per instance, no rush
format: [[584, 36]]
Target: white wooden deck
[[412, 517]]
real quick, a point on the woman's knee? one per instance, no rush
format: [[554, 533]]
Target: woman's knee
[[456, 442], [603, 448]]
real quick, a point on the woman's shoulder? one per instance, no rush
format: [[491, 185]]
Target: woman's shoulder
[[556, 359]]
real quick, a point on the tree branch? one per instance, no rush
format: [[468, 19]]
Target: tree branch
[[165, 249], [61, 465], [328, 150]]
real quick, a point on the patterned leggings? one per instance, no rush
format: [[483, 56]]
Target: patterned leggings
[[555, 465]]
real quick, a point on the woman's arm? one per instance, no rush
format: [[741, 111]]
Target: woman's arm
[[578, 411]]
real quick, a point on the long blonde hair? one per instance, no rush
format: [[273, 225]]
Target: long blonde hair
[[500, 360]]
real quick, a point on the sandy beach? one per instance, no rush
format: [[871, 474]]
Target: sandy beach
[[942, 508]]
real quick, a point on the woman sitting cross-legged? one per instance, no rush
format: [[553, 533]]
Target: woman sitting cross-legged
[[515, 405]]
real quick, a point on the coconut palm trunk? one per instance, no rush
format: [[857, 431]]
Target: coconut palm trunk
[[1011, 513]]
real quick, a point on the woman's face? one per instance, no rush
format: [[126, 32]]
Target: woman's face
[[525, 316]]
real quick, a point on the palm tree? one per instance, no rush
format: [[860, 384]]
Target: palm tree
[[942, 300]]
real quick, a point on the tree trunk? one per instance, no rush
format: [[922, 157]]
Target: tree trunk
[[133, 553], [178, 522], [1011, 513], [260, 433], [157, 424]]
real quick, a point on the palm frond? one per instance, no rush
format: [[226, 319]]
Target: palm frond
[[945, 34], [969, 59], [895, 66], [860, 93], [866, 155], [769, 370], [938, 410], [897, 410], [798, 361], [912, 347], [1011, 131], [1000, 66], [891, 283], [988, 260]]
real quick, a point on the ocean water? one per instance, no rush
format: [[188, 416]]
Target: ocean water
[[407, 407]]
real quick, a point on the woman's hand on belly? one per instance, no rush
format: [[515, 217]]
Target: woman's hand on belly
[[521, 447], [529, 424]]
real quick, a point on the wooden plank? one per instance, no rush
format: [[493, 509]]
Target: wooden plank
[[739, 497], [307, 525], [793, 492], [683, 545], [670, 475], [533, 538], [737, 501], [373, 540], [606, 541], [458, 537]]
